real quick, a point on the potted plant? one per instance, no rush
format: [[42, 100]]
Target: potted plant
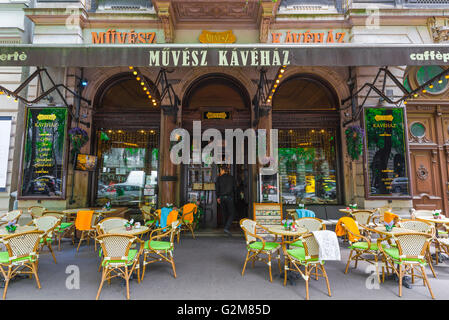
[[78, 138], [287, 224], [129, 225], [437, 214], [301, 206], [11, 226]]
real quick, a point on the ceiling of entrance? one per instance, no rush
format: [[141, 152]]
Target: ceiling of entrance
[[303, 94]]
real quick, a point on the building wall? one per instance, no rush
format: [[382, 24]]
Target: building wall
[[396, 23]]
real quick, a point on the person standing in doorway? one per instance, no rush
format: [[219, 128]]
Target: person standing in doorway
[[225, 190]]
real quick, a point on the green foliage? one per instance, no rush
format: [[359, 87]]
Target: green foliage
[[354, 142]]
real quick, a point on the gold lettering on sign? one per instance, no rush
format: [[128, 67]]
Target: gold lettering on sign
[[384, 118], [216, 115], [41, 117], [217, 37]]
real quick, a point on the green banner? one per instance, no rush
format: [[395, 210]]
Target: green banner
[[43, 162], [386, 156]]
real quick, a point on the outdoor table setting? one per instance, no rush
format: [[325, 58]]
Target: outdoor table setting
[[287, 232], [136, 230]]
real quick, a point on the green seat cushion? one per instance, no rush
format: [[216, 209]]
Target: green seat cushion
[[4, 258], [48, 240], [297, 244], [299, 254], [131, 255], [158, 245], [149, 222], [268, 246], [394, 254], [442, 232], [364, 246], [63, 226]]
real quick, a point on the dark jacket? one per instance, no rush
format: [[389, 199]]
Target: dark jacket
[[225, 186]]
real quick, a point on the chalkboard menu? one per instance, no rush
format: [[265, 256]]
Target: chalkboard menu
[[267, 214], [386, 156], [44, 155]]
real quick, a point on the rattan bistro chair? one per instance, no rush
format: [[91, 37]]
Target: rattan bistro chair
[[256, 248], [21, 256], [307, 257], [64, 229], [11, 216], [156, 249], [311, 224], [36, 211], [188, 211], [119, 260], [409, 254], [47, 224], [85, 222], [150, 217], [425, 227], [107, 224]]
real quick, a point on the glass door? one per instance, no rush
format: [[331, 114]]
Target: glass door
[[128, 167]]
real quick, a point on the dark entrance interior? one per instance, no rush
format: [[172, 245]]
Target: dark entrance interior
[[220, 102]]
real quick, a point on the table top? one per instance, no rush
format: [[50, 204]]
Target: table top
[[133, 231], [279, 230], [19, 229], [433, 220], [395, 230], [96, 210]]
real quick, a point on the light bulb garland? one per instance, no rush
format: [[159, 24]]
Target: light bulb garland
[[144, 85], [276, 83], [428, 85]]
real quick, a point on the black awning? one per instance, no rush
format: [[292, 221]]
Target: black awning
[[235, 55]]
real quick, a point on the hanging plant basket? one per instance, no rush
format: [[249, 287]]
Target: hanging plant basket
[[354, 141], [78, 138]]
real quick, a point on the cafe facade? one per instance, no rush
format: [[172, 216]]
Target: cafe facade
[[357, 92]]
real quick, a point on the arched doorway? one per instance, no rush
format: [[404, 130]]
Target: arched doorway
[[219, 101], [305, 111], [126, 125]]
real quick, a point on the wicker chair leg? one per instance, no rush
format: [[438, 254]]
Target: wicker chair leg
[[400, 280], [34, 270], [101, 283], [191, 230], [127, 282], [423, 271], [172, 260], [51, 250], [244, 265], [306, 270], [279, 261], [429, 261], [269, 267], [376, 261], [285, 271], [327, 280], [138, 272], [81, 240], [7, 278], [349, 261], [144, 265]]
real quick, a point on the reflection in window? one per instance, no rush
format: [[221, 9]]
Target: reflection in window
[[308, 166], [128, 167], [426, 73]]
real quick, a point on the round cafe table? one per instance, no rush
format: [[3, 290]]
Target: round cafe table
[[134, 231], [19, 229], [280, 231]]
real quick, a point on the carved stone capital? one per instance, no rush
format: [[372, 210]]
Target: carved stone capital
[[439, 29], [266, 19], [163, 12]]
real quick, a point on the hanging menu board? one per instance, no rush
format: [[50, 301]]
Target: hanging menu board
[[267, 214], [386, 153], [44, 156]]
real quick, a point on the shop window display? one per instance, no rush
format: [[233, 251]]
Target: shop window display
[[308, 166], [128, 167]]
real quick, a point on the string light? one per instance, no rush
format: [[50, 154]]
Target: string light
[[131, 67], [141, 80], [415, 95], [424, 90], [276, 83], [135, 73], [431, 86]]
